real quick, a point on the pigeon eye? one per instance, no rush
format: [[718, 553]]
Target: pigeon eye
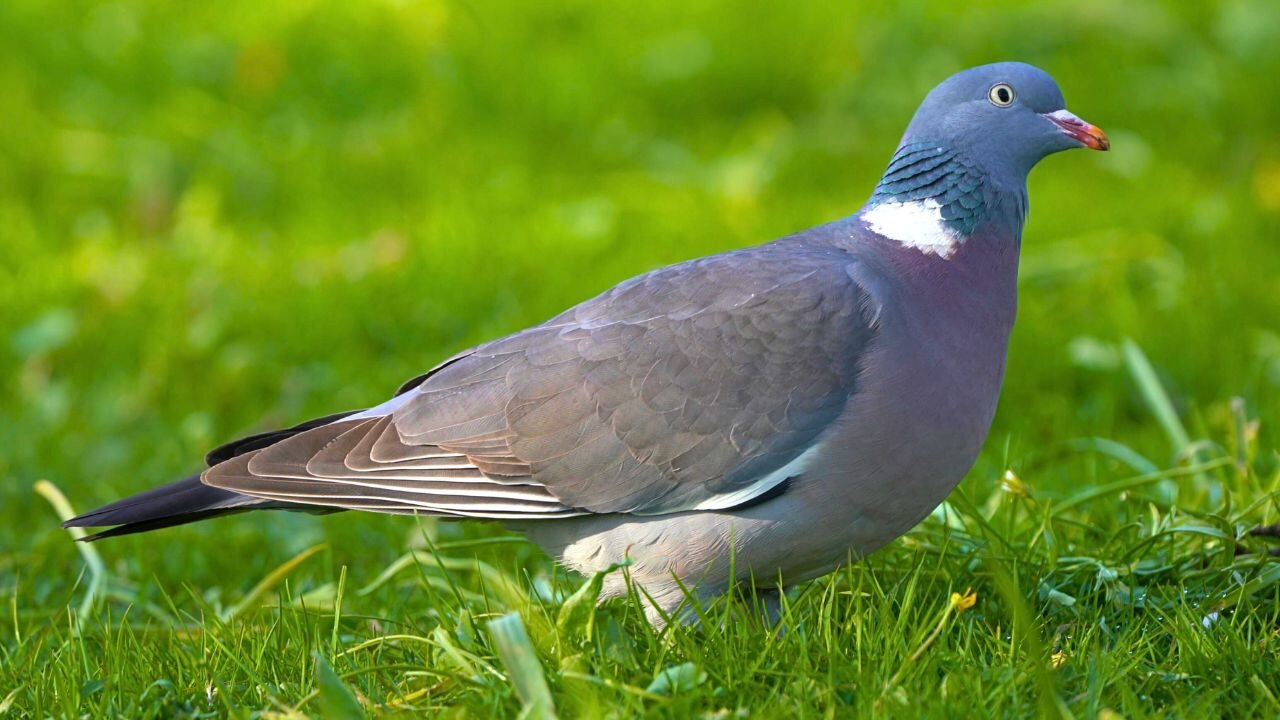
[[1001, 95]]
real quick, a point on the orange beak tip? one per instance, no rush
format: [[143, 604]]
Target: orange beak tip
[[1090, 136]]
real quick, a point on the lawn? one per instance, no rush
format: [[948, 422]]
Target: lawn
[[221, 217]]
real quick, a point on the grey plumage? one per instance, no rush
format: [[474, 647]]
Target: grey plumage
[[792, 405]]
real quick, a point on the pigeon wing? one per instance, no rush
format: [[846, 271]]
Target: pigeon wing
[[697, 386]]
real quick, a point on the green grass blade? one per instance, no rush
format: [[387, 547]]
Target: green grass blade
[[266, 584], [523, 668], [577, 614], [1155, 395], [337, 610], [97, 569], [676, 679], [337, 702]]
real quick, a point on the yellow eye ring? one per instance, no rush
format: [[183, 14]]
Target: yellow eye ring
[[1001, 95]]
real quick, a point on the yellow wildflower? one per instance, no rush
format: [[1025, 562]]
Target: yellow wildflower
[[1013, 485], [965, 601]]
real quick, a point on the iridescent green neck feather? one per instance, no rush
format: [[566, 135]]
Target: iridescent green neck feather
[[933, 173]]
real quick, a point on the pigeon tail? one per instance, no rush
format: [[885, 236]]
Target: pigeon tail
[[177, 503], [188, 500]]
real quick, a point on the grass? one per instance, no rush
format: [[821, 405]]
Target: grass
[[219, 218]]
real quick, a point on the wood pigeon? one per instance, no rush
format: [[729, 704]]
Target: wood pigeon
[[772, 412]]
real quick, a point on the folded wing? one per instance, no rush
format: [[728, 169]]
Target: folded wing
[[698, 386]]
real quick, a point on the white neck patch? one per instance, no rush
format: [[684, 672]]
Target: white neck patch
[[916, 224]]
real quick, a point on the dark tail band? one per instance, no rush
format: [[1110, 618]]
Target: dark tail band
[[177, 503]]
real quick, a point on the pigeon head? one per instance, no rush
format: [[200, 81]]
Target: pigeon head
[[1005, 117], [964, 159]]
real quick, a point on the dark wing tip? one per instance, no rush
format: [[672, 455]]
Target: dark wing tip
[[157, 523], [179, 502], [89, 519]]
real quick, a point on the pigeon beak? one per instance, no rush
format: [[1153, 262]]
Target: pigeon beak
[[1090, 136]]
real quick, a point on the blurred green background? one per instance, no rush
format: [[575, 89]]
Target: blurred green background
[[219, 217]]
